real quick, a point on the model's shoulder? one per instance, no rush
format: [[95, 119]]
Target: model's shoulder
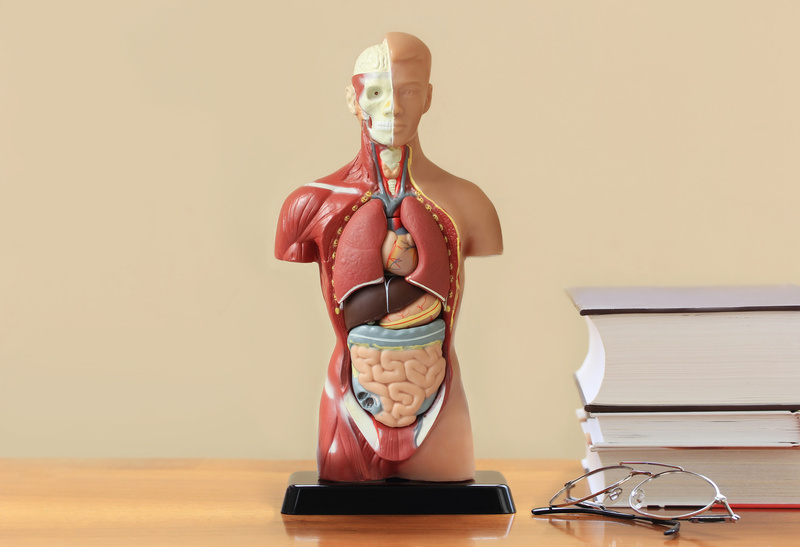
[[337, 185], [468, 189], [308, 211], [472, 210], [455, 192]]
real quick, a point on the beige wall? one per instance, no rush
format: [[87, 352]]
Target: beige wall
[[146, 147]]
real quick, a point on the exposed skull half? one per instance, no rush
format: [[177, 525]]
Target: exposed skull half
[[376, 100], [377, 105]]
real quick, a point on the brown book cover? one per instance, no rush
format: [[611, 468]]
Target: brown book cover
[[617, 300]]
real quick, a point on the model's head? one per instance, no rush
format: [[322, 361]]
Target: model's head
[[390, 90]]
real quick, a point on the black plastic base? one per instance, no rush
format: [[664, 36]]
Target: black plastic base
[[487, 494]]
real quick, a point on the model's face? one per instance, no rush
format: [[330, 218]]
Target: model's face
[[390, 90], [377, 105]]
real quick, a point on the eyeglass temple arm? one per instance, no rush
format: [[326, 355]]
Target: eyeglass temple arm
[[678, 467], [674, 525]]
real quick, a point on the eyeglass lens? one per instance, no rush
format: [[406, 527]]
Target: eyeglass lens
[[597, 481], [673, 494]]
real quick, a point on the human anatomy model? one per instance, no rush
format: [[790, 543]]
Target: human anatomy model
[[390, 231]]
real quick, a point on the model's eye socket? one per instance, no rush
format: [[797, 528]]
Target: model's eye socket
[[373, 92]]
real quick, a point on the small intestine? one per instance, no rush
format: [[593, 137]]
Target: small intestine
[[403, 378]]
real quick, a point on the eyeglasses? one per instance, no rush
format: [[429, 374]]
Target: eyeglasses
[[666, 496]]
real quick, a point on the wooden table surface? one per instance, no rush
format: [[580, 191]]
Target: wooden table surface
[[238, 502]]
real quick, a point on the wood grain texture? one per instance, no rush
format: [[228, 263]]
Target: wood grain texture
[[237, 502]]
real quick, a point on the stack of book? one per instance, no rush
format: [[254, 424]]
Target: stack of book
[[707, 378]]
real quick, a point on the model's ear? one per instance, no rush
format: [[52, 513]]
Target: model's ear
[[428, 98], [352, 103]]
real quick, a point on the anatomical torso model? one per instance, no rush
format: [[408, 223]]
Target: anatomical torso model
[[390, 232]]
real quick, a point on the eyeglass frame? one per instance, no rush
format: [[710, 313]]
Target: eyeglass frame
[[585, 506]]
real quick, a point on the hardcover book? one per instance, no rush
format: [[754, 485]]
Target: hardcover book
[[775, 428], [690, 348]]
